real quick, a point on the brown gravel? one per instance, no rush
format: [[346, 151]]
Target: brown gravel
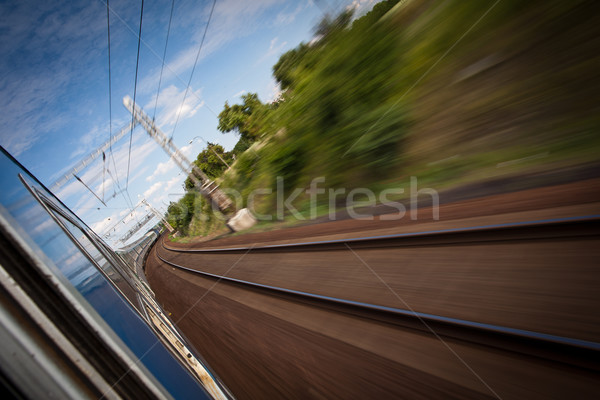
[[266, 348]]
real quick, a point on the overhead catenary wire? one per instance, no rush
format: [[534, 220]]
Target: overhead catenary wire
[[92, 178], [137, 64], [131, 205], [127, 196], [152, 51], [193, 68], [121, 190], [109, 97], [112, 157], [163, 60], [103, 173], [88, 188]]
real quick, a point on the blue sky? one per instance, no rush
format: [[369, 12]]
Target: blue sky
[[55, 95]]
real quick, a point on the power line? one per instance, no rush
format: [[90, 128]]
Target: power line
[[163, 59], [127, 199], [103, 173], [175, 74], [116, 177], [110, 96], [193, 69], [109, 76], [137, 64], [133, 208], [109, 84], [90, 189]]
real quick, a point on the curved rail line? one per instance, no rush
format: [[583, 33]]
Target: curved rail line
[[547, 229], [576, 352]]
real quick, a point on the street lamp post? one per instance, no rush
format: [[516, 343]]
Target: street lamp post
[[212, 149]]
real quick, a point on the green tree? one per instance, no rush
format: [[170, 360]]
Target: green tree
[[211, 161], [180, 213], [242, 145], [329, 25], [285, 69], [245, 118]]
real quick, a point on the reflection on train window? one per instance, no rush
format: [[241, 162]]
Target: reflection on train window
[[99, 259], [75, 265]]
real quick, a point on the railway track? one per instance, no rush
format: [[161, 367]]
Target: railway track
[[578, 354], [549, 229], [530, 275]]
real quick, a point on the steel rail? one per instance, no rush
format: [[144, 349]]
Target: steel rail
[[547, 229], [579, 353]]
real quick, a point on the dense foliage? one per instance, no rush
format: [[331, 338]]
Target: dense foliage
[[213, 161], [444, 91]]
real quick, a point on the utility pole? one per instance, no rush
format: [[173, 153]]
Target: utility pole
[[241, 220], [91, 157], [122, 220], [139, 225], [207, 187], [159, 216]]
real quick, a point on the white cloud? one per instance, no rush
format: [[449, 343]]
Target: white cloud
[[87, 141], [286, 18], [48, 222], [86, 205], [172, 182], [164, 188], [100, 227], [275, 48], [361, 7], [166, 193], [138, 173], [174, 69], [116, 224], [164, 167], [155, 187], [170, 102], [232, 19], [45, 50], [92, 176], [161, 169]]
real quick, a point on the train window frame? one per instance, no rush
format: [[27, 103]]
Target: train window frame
[[34, 274], [148, 309], [55, 212]]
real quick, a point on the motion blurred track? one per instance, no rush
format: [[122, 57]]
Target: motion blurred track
[[505, 311]]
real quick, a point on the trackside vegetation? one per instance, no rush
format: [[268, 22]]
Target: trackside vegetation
[[451, 92]]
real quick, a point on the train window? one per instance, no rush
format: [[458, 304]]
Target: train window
[[100, 260], [79, 265], [84, 241]]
